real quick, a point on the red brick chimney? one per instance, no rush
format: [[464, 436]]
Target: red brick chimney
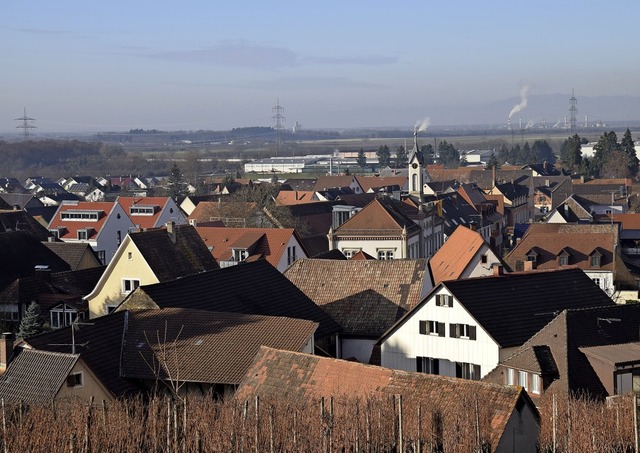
[[6, 350]]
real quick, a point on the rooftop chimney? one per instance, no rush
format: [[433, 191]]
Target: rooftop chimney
[[498, 269], [6, 350], [171, 231]]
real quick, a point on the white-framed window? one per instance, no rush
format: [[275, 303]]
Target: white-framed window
[[129, 284], [523, 379], [427, 365], [385, 254], [595, 261], [240, 254], [444, 300], [432, 328], [63, 315], [102, 256], [563, 260], [82, 235], [511, 376], [468, 371], [9, 312], [75, 379], [348, 253], [597, 281], [462, 331], [535, 384]]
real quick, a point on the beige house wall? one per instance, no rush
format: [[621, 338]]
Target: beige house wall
[[91, 386]]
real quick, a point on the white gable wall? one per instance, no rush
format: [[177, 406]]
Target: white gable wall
[[400, 349], [283, 264], [358, 348], [171, 213], [476, 268]]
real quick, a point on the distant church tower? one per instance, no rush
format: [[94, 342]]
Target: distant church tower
[[416, 169]]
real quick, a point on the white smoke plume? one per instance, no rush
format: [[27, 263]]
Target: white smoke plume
[[422, 125], [524, 92]]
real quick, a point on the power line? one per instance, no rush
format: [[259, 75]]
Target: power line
[[279, 118], [26, 125]]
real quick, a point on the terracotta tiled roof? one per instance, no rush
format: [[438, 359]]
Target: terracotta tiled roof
[[362, 256], [103, 208], [206, 210], [375, 182], [383, 216], [268, 242], [205, 346], [308, 377], [144, 221], [628, 221], [35, 377], [288, 197], [364, 296], [251, 288], [455, 255], [581, 240]]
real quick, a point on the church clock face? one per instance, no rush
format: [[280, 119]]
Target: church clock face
[[414, 165]]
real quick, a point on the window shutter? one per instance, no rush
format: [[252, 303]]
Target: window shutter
[[441, 329], [436, 366], [476, 372], [472, 332], [453, 330], [419, 364], [450, 300], [423, 327], [438, 300], [458, 370]]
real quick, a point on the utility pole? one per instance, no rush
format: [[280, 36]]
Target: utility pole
[[573, 112], [279, 118], [26, 125]]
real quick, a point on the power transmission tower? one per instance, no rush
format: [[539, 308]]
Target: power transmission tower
[[279, 118], [573, 112], [26, 125]]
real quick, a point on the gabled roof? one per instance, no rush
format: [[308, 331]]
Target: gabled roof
[[99, 343], [361, 255], [21, 253], [173, 254], [250, 288], [289, 197], [102, 208], [316, 216], [579, 241], [512, 190], [600, 194], [268, 243], [383, 216], [513, 307], [158, 204], [20, 220], [455, 255], [205, 211], [204, 346], [610, 332], [330, 182], [35, 377], [457, 211], [71, 283], [575, 209], [71, 252], [374, 183], [374, 296], [310, 377]]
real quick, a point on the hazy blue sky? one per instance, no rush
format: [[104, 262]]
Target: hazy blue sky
[[116, 65]]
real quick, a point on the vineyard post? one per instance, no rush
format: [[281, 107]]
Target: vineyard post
[[4, 429], [322, 423], [330, 424], [87, 441], [245, 410], [400, 433], [104, 414], [635, 420], [271, 428], [168, 426], [257, 447], [554, 418]]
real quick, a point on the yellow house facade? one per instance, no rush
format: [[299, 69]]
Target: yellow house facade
[[127, 270]]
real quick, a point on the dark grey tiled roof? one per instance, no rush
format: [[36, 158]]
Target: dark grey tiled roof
[[170, 260], [35, 376], [71, 252], [251, 288]]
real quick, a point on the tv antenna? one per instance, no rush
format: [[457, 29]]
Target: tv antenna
[[75, 325], [26, 125]]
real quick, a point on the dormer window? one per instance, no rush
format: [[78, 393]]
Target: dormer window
[[84, 233], [81, 215], [532, 256], [563, 258], [142, 210], [240, 254], [595, 259]]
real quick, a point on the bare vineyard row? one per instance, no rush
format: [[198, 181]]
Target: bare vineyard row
[[201, 424]]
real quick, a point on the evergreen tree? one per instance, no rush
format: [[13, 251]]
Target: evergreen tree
[[571, 152], [362, 159], [492, 162], [627, 146], [176, 185], [448, 155], [542, 152], [31, 323], [401, 157], [384, 156], [427, 152], [527, 156], [607, 144]]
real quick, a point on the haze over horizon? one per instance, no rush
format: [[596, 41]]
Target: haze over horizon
[[79, 66]]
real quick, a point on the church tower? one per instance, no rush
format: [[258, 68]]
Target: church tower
[[416, 169]]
